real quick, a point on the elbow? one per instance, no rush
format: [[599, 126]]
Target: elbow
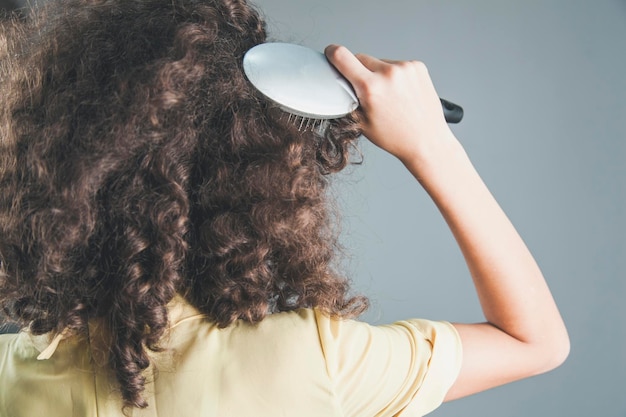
[[554, 353], [562, 351], [561, 346]]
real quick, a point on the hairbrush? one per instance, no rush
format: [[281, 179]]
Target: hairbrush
[[304, 84]]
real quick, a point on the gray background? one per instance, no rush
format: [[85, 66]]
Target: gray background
[[543, 84]]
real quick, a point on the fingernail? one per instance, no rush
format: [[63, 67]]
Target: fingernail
[[330, 48]]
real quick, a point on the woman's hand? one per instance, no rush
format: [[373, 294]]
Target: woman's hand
[[401, 109]]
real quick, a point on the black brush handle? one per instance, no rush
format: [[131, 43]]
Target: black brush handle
[[452, 112]]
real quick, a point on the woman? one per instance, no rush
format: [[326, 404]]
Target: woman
[[167, 240]]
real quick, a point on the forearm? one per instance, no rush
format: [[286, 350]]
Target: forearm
[[512, 291]]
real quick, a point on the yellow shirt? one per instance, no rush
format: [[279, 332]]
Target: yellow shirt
[[299, 363]]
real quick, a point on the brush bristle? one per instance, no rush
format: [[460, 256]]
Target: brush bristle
[[305, 124]]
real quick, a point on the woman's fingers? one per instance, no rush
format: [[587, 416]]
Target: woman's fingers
[[346, 63], [371, 63], [357, 69]]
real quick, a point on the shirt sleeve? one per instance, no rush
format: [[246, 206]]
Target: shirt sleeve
[[403, 369]]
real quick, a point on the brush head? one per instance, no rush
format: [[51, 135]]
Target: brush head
[[300, 80]]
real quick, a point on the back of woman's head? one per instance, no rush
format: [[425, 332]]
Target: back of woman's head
[[136, 162]]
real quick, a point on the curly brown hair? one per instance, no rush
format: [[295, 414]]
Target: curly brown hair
[[137, 162]]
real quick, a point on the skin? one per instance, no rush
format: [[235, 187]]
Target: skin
[[524, 334]]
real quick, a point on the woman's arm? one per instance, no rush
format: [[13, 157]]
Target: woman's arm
[[524, 334]]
